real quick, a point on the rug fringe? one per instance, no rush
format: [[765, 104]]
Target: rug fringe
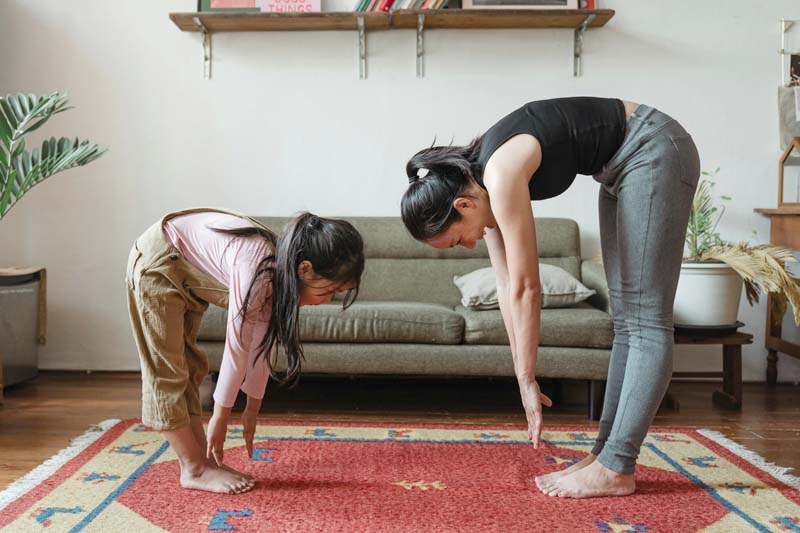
[[779, 472], [24, 484]]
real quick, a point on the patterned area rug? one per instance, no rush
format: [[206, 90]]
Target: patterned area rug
[[345, 477]]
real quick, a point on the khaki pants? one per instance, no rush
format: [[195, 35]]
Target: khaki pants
[[167, 297]]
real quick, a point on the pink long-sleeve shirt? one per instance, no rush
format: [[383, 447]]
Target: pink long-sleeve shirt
[[232, 261]]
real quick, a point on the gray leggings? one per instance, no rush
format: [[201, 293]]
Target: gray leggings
[[645, 197]]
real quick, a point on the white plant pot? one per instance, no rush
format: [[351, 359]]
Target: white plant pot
[[708, 295]]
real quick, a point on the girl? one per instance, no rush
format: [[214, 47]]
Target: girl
[[648, 168], [200, 256]]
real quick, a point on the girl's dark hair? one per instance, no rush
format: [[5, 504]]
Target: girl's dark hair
[[335, 250], [427, 205]]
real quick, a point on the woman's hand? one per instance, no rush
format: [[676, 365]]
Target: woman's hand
[[217, 431], [249, 420], [532, 401]]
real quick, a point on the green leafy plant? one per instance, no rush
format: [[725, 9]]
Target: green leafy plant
[[701, 233], [20, 169], [760, 267]]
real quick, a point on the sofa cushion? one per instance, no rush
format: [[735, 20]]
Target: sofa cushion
[[579, 326], [559, 288], [382, 322], [362, 322], [214, 324]]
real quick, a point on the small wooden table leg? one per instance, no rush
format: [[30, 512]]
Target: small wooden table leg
[[773, 332], [772, 368], [730, 397]]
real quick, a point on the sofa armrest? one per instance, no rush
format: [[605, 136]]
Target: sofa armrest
[[594, 277]]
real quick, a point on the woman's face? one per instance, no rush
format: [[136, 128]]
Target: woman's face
[[476, 217]]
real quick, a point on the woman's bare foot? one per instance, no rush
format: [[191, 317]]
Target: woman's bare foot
[[593, 481], [212, 478], [546, 482]]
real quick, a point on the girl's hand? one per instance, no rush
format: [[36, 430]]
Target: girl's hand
[[532, 401], [249, 420], [217, 430]]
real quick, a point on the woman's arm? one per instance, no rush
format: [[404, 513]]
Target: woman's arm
[[513, 245], [497, 255]]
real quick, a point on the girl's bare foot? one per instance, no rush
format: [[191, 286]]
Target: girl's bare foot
[[212, 478], [546, 482], [245, 475], [200, 437], [593, 481], [197, 472]]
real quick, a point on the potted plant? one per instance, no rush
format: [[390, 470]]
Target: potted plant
[[22, 290], [714, 271]]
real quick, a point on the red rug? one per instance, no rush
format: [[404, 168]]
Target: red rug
[[339, 477]]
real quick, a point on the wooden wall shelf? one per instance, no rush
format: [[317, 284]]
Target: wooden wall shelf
[[578, 20]]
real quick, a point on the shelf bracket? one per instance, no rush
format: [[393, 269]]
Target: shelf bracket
[[786, 25], [206, 47], [578, 45], [362, 50], [420, 46]]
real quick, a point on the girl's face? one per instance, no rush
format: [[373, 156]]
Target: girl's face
[[316, 290]]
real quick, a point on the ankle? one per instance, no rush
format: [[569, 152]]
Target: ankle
[[193, 468]]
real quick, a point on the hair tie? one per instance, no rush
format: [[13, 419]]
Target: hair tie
[[313, 222], [413, 179]]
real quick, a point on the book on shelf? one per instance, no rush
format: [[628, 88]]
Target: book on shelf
[[245, 6], [395, 5], [290, 6]]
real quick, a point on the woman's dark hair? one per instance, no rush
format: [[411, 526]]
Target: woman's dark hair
[[427, 205], [335, 250]]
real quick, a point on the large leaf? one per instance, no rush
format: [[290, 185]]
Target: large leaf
[[761, 267], [25, 113], [29, 169], [20, 170]]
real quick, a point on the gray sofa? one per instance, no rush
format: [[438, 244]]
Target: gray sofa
[[408, 319]]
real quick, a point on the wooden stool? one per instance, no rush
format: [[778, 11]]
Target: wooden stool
[[730, 397]]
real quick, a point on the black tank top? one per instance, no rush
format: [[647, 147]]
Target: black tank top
[[578, 136]]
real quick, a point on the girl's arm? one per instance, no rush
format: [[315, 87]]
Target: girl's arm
[[513, 246], [242, 338], [241, 366]]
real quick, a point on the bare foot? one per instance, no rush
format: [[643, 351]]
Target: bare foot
[[233, 470], [593, 481], [212, 478], [547, 481]]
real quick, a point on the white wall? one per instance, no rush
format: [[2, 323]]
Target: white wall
[[286, 125]]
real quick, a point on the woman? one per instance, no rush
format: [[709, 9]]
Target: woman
[[195, 257], [648, 168]]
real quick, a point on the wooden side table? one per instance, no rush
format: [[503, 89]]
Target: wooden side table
[[784, 230], [730, 397]]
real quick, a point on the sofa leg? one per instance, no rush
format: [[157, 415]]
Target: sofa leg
[[207, 392], [597, 393]]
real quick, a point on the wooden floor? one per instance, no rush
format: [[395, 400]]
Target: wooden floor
[[41, 417]]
